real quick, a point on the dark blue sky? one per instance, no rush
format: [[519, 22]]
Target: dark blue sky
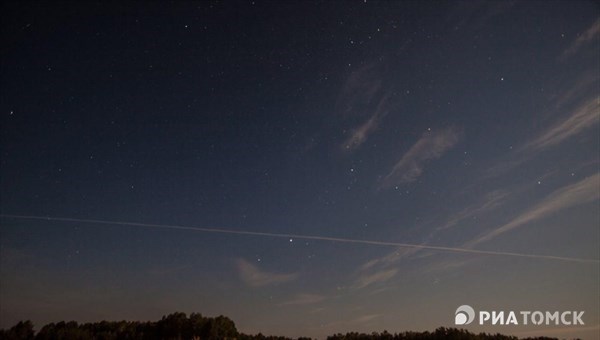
[[467, 125]]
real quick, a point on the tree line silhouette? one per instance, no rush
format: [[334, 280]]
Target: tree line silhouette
[[178, 326]]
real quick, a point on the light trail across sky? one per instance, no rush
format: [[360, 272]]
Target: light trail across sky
[[306, 237]]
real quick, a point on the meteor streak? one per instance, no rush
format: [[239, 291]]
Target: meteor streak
[[306, 237]]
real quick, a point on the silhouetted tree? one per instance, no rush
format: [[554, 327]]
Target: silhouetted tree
[[173, 326], [178, 326], [21, 331]]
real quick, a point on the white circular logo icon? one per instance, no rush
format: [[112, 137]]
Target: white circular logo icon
[[464, 315]]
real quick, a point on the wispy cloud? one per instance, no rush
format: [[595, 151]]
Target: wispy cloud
[[253, 276], [577, 112], [304, 299], [584, 117], [447, 264], [432, 145], [389, 259], [360, 134], [381, 269], [584, 191], [476, 14], [366, 280], [366, 318], [587, 37], [359, 90], [365, 96], [491, 201], [585, 86]]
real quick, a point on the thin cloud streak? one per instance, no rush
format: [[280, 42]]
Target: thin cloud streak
[[253, 276], [306, 237], [491, 201], [477, 13], [359, 89], [432, 145], [584, 87], [584, 191], [584, 117], [378, 277], [390, 259], [364, 95], [588, 36], [366, 318], [360, 134], [304, 299]]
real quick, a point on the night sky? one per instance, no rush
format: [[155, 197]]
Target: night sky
[[469, 125]]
